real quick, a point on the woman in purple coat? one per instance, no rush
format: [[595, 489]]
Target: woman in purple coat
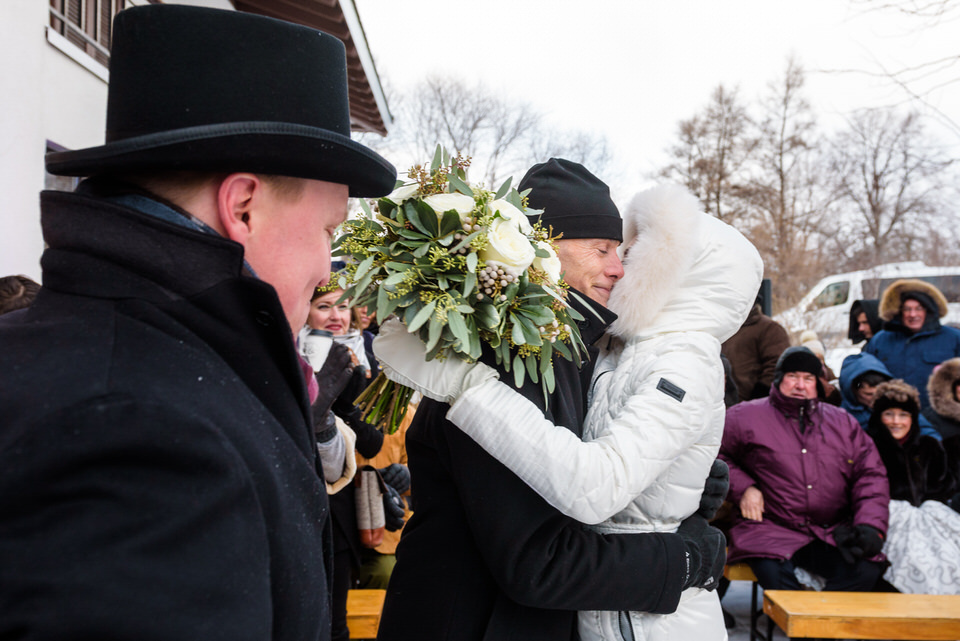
[[810, 485]]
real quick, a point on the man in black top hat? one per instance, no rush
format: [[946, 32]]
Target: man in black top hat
[[159, 472], [484, 556]]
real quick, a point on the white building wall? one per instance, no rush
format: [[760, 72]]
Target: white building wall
[[49, 90], [47, 95]]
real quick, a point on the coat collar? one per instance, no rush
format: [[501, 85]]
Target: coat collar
[[596, 317], [163, 273]]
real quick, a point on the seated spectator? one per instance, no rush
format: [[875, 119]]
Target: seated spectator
[[912, 341], [859, 376], [916, 464], [864, 320], [810, 486], [944, 410], [923, 537], [17, 292]]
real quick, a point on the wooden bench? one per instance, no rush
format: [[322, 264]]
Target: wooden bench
[[864, 615], [743, 572], [363, 612]]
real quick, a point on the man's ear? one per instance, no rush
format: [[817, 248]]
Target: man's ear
[[236, 200]]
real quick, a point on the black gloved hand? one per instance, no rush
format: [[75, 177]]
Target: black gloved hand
[[396, 476], [392, 509], [870, 540], [356, 382], [847, 540], [706, 553], [333, 376], [714, 490]]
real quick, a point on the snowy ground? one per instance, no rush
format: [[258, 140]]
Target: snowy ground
[[737, 602]]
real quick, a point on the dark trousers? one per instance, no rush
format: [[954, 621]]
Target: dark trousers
[[342, 582], [823, 560]]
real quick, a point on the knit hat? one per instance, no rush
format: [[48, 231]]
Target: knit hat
[[575, 203], [810, 340], [797, 359]]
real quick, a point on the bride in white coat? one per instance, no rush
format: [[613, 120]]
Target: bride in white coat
[[656, 408]]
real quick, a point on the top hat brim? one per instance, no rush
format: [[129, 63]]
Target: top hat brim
[[278, 148]]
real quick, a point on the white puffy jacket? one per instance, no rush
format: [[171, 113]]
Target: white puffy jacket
[[656, 411]]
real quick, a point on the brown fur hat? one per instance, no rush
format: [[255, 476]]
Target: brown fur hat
[[896, 393], [892, 297], [940, 389]]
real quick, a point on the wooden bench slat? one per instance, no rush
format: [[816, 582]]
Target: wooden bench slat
[[363, 612], [864, 615]]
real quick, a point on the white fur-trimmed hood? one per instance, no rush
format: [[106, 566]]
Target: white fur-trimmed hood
[[684, 270]]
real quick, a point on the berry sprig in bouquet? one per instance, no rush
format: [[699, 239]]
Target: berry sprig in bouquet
[[461, 267]]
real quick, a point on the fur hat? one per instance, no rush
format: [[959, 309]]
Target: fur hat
[[199, 89], [894, 295], [575, 203], [940, 388], [897, 393]]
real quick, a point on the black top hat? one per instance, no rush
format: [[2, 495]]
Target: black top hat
[[203, 89]]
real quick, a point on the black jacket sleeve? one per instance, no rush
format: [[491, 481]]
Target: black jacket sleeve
[[541, 558]]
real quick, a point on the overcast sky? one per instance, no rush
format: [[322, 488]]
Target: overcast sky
[[631, 69]]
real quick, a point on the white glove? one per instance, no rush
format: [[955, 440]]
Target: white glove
[[402, 357]]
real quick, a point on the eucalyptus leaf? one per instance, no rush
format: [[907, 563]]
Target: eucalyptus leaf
[[458, 327], [459, 185], [518, 371], [469, 282], [363, 267], [548, 379], [422, 250], [472, 262], [466, 241], [542, 253], [517, 333], [531, 362], [546, 356], [436, 331], [437, 159], [394, 278], [504, 188], [422, 316]]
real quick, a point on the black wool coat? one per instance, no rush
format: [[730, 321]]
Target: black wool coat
[[484, 557], [917, 469], [159, 477]]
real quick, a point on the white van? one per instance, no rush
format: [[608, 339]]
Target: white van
[[826, 308]]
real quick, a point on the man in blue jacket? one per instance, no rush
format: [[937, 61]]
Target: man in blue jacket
[[912, 341]]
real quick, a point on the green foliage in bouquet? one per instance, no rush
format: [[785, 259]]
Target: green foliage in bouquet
[[460, 266]]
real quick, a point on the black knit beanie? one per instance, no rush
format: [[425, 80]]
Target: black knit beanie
[[797, 359], [575, 203]]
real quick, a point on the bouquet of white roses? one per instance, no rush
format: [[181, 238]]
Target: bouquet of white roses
[[460, 266]]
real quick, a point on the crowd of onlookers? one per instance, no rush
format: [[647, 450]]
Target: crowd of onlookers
[[848, 482]]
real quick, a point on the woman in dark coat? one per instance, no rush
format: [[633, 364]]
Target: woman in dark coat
[[923, 538], [916, 463]]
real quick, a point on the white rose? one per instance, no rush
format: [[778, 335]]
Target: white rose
[[460, 203], [506, 246], [550, 265], [511, 213], [402, 193]]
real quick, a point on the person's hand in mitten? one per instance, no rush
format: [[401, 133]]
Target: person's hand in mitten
[[392, 509], [396, 476]]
